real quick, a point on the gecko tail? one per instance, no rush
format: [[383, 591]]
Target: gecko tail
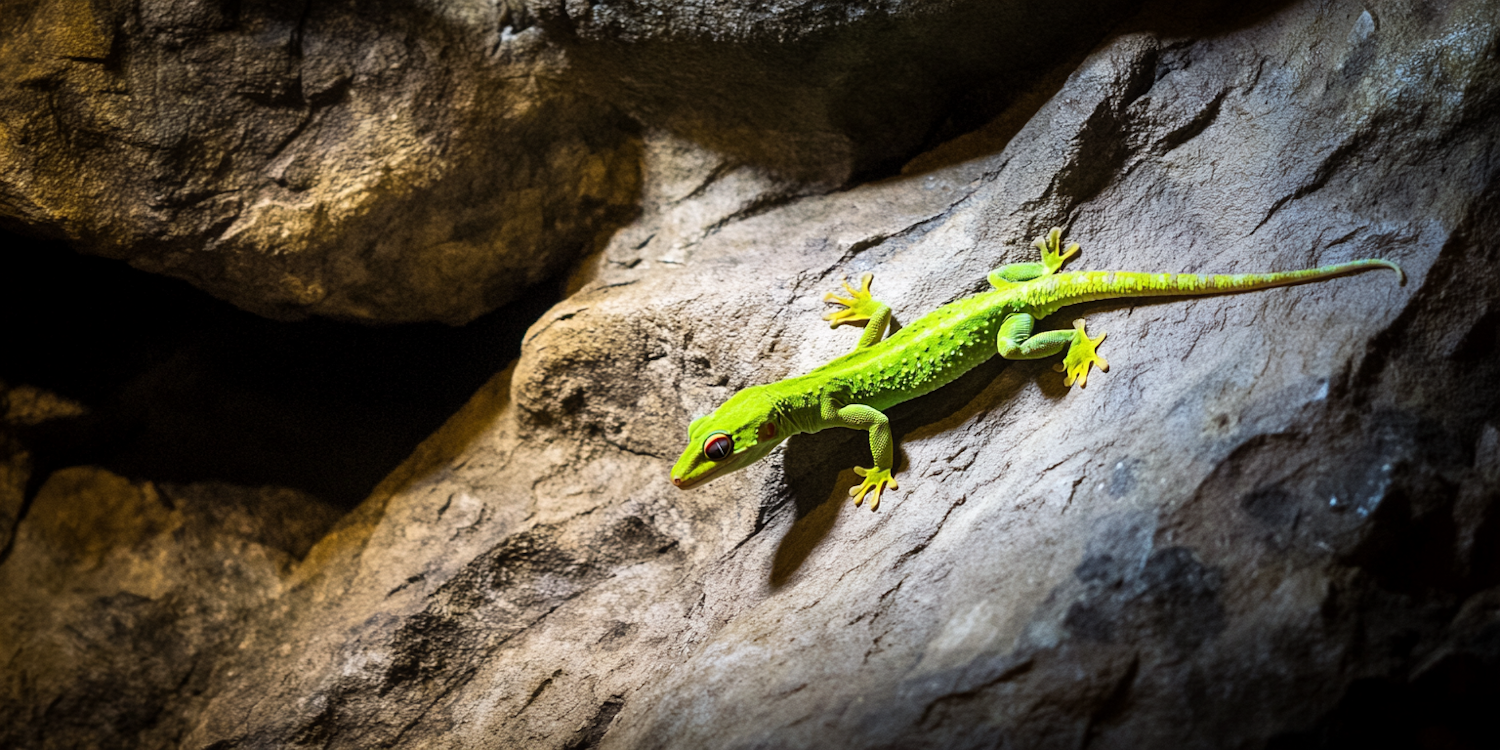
[[1073, 287], [1400, 274], [1210, 283]]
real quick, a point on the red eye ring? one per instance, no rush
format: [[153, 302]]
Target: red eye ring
[[717, 446]]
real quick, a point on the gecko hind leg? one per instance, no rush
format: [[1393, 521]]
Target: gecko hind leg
[[1053, 257], [1014, 273], [1053, 254], [1017, 342], [1081, 353]]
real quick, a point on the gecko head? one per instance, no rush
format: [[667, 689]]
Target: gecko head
[[737, 434]]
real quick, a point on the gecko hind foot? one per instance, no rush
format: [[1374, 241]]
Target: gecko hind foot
[[1081, 353], [1053, 256], [875, 481]]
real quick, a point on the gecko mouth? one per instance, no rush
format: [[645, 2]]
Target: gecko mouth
[[719, 470], [687, 483]]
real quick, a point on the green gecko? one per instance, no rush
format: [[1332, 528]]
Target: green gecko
[[854, 390]]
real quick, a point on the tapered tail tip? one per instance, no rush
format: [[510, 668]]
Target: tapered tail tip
[[1383, 263], [1400, 274]]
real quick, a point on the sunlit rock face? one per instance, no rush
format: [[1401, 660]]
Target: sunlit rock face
[[389, 163], [1272, 523]]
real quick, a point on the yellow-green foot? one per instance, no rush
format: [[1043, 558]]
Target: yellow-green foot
[[1053, 255], [876, 480], [858, 306], [1081, 353]]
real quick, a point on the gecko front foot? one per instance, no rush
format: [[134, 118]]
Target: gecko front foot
[[875, 481], [1081, 353], [859, 307]]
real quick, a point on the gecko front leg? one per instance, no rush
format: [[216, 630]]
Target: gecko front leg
[[882, 446], [860, 308], [882, 449]]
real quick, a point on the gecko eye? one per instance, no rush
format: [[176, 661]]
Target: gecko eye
[[718, 446]]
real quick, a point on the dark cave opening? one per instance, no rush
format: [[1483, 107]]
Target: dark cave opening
[[182, 387]]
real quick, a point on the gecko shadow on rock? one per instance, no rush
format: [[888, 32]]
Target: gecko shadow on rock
[[817, 467]]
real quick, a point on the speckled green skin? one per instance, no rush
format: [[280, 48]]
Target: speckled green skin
[[934, 350]]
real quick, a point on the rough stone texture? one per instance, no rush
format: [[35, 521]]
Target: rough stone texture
[[117, 591], [817, 92], [391, 161], [24, 406], [1273, 523]]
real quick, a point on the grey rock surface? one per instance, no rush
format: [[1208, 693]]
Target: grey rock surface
[[1273, 523], [818, 93]]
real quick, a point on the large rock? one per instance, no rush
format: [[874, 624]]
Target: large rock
[[817, 93], [122, 595], [434, 159], [1272, 523], [413, 163]]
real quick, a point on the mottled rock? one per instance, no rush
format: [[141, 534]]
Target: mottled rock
[[15, 472], [120, 595], [1272, 523], [23, 406], [400, 162]]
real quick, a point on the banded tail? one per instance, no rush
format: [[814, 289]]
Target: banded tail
[[1051, 292]]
